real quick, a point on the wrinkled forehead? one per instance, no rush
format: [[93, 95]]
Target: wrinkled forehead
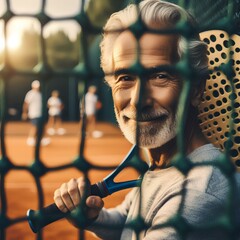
[[152, 48]]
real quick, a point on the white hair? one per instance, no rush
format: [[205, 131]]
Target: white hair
[[155, 14]]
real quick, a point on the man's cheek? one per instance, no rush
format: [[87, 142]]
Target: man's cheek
[[119, 101], [117, 112]]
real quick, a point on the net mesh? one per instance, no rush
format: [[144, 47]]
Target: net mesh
[[219, 114]]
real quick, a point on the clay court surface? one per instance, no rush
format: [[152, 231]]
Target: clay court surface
[[21, 190]]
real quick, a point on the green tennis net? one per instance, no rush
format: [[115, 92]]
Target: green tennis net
[[220, 15]]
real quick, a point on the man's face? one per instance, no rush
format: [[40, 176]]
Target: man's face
[[157, 113]]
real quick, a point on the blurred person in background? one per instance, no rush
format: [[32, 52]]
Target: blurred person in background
[[89, 107], [55, 107], [32, 110]]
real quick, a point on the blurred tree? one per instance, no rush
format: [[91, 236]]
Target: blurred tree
[[99, 11], [61, 51]]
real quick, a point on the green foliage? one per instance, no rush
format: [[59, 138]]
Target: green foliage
[[99, 11], [62, 53]]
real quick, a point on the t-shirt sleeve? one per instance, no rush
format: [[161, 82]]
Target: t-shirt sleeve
[[28, 97], [49, 102]]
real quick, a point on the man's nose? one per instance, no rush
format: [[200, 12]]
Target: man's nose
[[141, 94]]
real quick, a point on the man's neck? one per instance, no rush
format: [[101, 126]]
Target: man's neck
[[161, 157]]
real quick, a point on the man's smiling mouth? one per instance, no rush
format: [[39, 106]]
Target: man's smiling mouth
[[146, 119]]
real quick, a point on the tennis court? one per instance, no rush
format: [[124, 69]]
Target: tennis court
[[21, 189]]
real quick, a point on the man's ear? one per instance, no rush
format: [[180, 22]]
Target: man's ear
[[197, 94]]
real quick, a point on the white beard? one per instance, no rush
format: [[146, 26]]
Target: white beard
[[151, 136]]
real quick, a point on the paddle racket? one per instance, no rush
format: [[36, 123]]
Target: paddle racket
[[40, 218]]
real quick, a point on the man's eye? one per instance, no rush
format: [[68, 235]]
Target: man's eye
[[160, 76], [125, 78]]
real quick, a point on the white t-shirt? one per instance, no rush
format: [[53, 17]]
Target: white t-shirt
[[206, 200], [90, 103], [54, 104], [34, 100]]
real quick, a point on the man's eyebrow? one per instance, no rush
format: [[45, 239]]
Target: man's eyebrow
[[146, 71], [160, 68], [121, 71]]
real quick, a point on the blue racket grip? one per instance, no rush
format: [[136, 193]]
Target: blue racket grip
[[40, 218]]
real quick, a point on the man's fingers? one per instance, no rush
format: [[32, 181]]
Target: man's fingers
[[69, 195], [83, 186], [94, 204], [74, 192], [66, 198], [59, 202]]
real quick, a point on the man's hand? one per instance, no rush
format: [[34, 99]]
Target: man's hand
[[24, 116], [69, 196]]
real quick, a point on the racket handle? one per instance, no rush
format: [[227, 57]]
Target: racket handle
[[40, 218]]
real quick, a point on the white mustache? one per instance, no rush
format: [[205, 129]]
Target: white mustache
[[144, 116]]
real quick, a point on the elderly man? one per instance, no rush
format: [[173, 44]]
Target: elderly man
[[148, 102]]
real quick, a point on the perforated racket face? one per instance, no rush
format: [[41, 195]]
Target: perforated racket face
[[215, 109]]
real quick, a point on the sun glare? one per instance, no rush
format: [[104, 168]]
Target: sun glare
[[13, 43]]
